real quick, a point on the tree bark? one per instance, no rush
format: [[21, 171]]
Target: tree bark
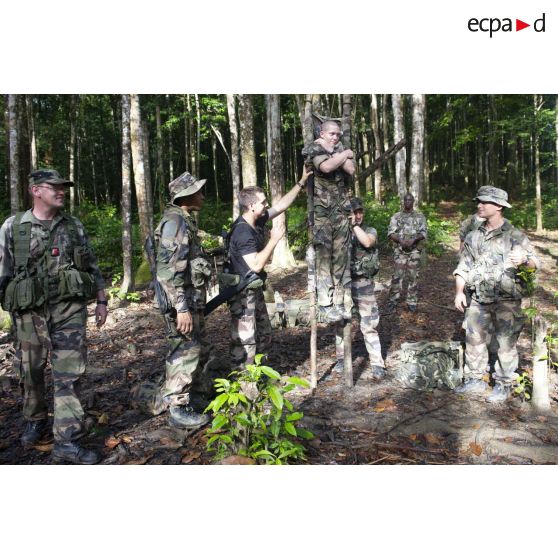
[[160, 182], [347, 135], [385, 128], [375, 123], [282, 255], [147, 164], [138, 162], [198, 134], [128, 278], [72, 148], [541, 397], [247, 150], [235, 153], [417, 150], [537, 105], [398, 135], [13, 146], [31, 128]]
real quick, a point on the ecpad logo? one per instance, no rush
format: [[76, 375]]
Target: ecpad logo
[[492, 25]]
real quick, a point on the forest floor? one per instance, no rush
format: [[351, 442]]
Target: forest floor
[[370, 423]]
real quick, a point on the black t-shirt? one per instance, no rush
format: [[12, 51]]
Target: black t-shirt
[[246, 240]]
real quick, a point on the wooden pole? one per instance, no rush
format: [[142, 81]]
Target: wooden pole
[[311, 261], [541, 398]]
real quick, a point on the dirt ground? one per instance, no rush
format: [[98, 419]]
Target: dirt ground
[[371, 423]]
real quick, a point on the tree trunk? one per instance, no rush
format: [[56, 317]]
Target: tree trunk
[[198, 135], [417, 150], [31, 128], [398, 134], [385, 128], [247, 150], [72, 148], [282, 255], [160, 183], [147, 164], [347, 136], [186, 101], [128, 279], [138, 161], [541, 398], [537, 104], [375, 123], [235, 153], [13, 146], [556, 149]]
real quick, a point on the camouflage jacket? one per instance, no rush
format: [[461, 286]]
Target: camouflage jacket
[[182, 267], [59, 258], [472, 223], [364, 261], [408, 225], [484, 263], [328, 187]]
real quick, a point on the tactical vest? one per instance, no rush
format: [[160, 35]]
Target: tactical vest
[[364, 261], [408, 226], [192, 259], [34, 288]]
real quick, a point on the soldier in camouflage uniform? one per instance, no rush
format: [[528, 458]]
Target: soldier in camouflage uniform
[[248, 255], [364, 266], [332, 163], [48, 272], [488, 268], [183, 271], [407, 229]]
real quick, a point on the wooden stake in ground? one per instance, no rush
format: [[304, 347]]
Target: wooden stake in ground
[[541, 399], [311, 261]]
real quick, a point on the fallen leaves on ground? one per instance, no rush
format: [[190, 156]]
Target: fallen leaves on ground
[[44, 447], [111, 442], [385, 405], [475, 448], [190, 456], [432, 439]]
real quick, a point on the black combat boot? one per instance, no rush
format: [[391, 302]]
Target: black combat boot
[[378, 372], [34, 431], [500, 393], [390, 308], [72, 452], [472, 386], [412, 307], [186, 417]]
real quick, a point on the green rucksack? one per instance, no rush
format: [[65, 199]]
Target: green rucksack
[[429, 364]]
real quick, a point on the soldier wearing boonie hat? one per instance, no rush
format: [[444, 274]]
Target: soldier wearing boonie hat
[[489, 268], [47, 176], [183, 271]]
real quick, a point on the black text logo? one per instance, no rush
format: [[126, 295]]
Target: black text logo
[[493, 25]]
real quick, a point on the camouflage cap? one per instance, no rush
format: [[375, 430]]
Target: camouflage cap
[[185, 185], [492, 194], [48, 176], [356, 204]]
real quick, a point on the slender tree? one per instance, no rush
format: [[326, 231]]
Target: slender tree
[[375, 124], [247, 150], [13, 150], [160, 182], [138, 162], [399, 134], [72, 149], [128, 278], [417, 150], [537, 105], [235, 153], [282, 255]]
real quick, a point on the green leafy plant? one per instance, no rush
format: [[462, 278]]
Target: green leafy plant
[[524, 386], [114, 290], [253, 417]]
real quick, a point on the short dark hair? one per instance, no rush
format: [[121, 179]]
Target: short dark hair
[[249, 195], [329, 123]]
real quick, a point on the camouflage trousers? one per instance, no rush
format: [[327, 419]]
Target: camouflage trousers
[[250, 327], [332, 237], [61, 331], [405, 264], [184, 370], [365, 308], [504, 321]]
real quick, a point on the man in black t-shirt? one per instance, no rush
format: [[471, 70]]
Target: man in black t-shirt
[[248, 251]]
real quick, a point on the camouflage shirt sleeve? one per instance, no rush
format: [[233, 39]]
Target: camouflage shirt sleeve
[[393, 227], [465, 260], [172, 260], [93, 266], [525, 243], [464, 228], [6, 254]]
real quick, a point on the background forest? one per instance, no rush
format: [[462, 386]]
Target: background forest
[[122, 150]]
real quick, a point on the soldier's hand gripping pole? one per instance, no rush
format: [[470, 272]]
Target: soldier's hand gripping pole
[[311, 261]]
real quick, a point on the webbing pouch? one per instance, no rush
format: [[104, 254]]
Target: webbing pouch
[[23, 294], [82, 258], [76, 284]]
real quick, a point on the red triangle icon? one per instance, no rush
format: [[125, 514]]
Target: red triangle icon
[[519, 25]]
